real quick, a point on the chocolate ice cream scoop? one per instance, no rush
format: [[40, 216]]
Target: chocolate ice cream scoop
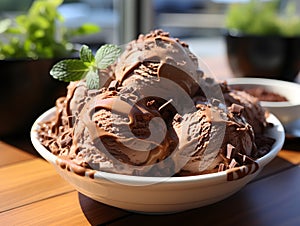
[[131, 138], [212, 140], [157, 54]]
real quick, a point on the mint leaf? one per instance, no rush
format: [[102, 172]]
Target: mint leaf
[[92, 79], [106, 55], [69, 70], [87, 66], [86, 54]]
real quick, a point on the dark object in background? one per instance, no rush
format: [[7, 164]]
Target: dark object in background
[[26, 91], [263, 56]]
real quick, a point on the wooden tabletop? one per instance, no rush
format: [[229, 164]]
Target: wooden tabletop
[[32, 193]]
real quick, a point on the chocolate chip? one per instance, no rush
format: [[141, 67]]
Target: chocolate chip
[[177, 118], [236, 108], [113, 85]]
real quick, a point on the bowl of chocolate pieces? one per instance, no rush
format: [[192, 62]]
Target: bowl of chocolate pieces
[[280, 98]]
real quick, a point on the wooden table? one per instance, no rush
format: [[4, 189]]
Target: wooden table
[[32, 193]]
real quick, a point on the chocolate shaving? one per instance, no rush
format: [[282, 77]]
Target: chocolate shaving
[[113, 85], [177, 118], [150, 103], [221, 167], [232, 164], [245, 158], [229, 150], [236, 108]]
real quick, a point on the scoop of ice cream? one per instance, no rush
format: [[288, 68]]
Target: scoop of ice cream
[[157, 54], [113, 135], [212, 140]]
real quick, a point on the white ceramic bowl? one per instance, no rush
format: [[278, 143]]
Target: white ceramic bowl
[[286, 111], [159, 194]]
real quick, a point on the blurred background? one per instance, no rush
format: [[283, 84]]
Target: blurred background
[[121, 21], [200, 23]]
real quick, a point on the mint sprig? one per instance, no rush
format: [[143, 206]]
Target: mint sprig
[[87, 66]]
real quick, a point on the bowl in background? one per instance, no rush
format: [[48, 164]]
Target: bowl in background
[[160, 194], [288, 112], [273, 57]]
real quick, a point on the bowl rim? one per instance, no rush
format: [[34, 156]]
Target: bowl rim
[[269, 83], [135, 180]]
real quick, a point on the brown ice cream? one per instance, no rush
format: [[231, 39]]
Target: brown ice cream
[[156, 114], [123, 134], [211, 154], [160, 56], [254, 114]]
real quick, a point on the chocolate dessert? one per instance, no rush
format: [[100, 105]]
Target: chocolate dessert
[[156, 113]]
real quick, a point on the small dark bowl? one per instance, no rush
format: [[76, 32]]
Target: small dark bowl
[[26, 90], [272, 57]]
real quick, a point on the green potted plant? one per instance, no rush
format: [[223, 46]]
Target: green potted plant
[[30, 44], [263, 39]]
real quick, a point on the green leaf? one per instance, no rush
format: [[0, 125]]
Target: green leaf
[[69, 70], [42, 26], [88, 65], [259, 17], [86, 29], [4, 25], [106, 55], [92, 79], [86, 54]]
